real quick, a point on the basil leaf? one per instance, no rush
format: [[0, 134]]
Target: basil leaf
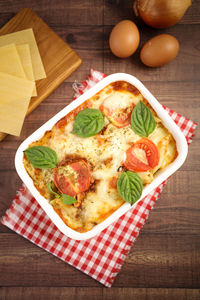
[[42, 157], [51, 191], [129, 186], [88, 122], [66, 199], [142, 120]]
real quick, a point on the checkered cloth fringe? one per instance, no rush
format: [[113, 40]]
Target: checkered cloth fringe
[[100, 257]]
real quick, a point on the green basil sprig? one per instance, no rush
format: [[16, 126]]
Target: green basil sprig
[[52, 191], [88, 122], [129, 186], [42, 157], [66, 199], [142, 120]]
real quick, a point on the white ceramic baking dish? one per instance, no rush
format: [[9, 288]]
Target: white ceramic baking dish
[[182, 148]]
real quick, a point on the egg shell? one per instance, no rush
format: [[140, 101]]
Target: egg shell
[[159, 50], [124, 39]]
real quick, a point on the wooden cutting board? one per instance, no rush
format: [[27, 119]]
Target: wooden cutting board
[[58, 58]]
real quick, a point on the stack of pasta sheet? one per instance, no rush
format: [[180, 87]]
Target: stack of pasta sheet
[[20, 67]]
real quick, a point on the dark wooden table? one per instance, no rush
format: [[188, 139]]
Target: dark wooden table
[[164, 262]]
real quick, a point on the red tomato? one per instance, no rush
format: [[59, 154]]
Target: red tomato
[[117, 110], [142, 156], [73, 178]]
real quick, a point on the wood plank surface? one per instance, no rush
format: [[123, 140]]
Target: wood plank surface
[[174, 254], [40, 293], [164, 262]]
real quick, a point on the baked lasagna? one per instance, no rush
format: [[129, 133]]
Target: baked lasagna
[[100, 155]]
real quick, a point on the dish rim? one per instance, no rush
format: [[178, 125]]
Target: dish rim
[[167, 121]]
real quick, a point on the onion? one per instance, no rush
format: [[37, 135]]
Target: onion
[[161, 13]]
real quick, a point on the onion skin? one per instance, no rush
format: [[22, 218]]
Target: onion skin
[[161, 13]]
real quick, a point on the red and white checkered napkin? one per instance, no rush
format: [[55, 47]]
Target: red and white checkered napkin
[[102, 256]]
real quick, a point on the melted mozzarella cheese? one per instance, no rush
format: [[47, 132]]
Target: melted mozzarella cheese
[[106, 154], [141, 155], [158, 134], [146, 177], [119, 100]]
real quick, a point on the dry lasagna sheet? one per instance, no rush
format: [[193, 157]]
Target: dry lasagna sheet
[[104, 153]]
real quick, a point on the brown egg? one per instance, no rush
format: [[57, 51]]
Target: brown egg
[[124, 39], [159, 50]]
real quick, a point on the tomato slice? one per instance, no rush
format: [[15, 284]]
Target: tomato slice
[[73, 178], [142, 156], [118, 109]]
